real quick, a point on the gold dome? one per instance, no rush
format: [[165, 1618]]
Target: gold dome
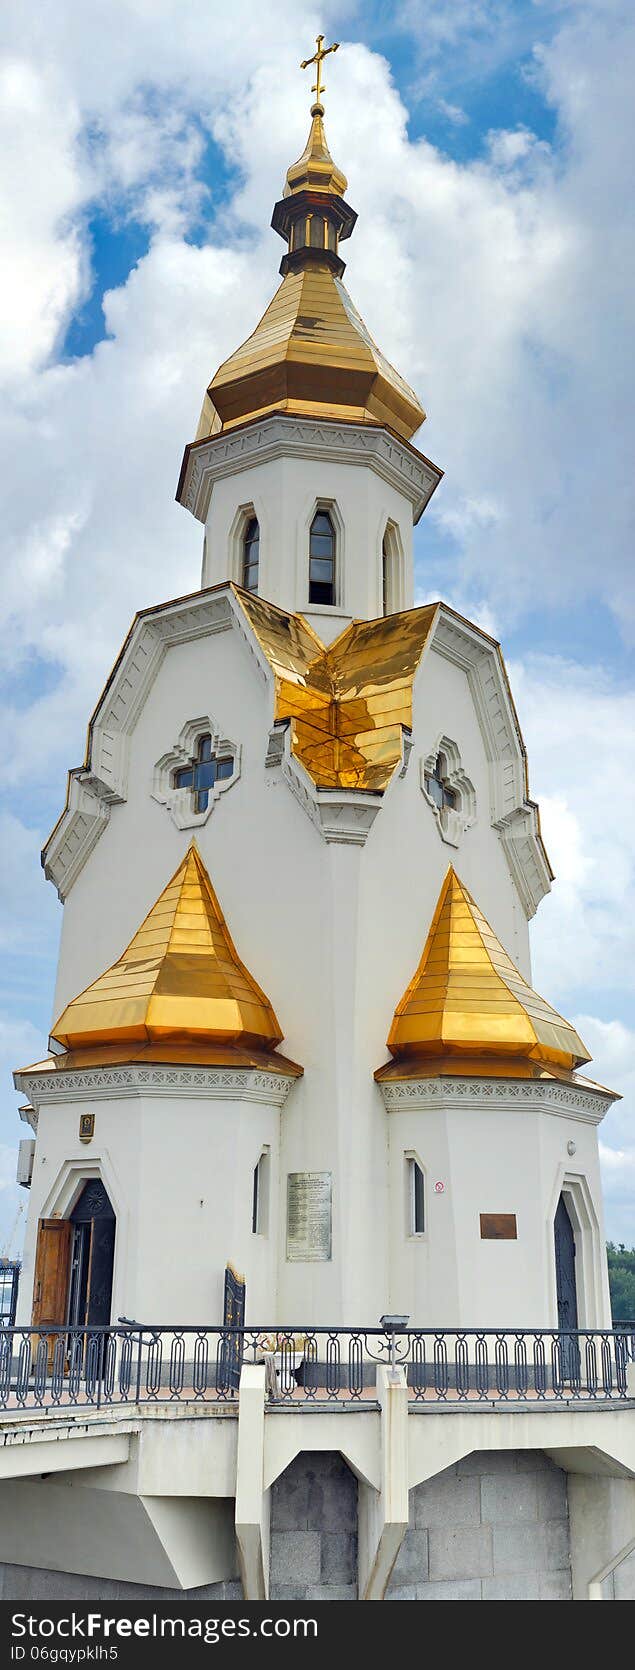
[[179, 979], [315, 170], [468, 1001], [311, 354]]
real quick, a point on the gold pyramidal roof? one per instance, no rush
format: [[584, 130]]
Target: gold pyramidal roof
[[347, 704], [179, 979], [468, 1000]]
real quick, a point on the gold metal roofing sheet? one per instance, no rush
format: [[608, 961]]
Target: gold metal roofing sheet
[[180, 978], [315, 170], [348, 703], [311, 353], [468, 998]]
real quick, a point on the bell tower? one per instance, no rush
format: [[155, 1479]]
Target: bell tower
[[304, 443]]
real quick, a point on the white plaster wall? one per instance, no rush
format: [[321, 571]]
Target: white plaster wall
[[332, 932], [283, 494], [179, 1173], [491, 1159]]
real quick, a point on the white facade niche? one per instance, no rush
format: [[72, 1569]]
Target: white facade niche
[[179, 802], [451, 821]]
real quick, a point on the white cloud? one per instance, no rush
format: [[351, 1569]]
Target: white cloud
[[453, 113], [579, 727]]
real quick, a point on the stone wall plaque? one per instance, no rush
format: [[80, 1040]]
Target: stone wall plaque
[[309, 1216]]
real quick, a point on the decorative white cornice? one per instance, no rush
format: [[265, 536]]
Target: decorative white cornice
[[103, 781], [512, 813], [114, 1084], [568, 1101], [280, 436], [340, 815]]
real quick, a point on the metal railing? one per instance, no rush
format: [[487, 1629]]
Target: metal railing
[[127, 1365], [9, 1282]]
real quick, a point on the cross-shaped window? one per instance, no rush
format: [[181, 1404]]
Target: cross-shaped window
[[437, 785], [203, 772]]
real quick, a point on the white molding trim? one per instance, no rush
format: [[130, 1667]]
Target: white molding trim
[[103, 781], [179, 802], [113, 1084], [343, 816], [339, 815], [451, 822], [512, 813], [280, 435], [589, 1243], [566, 1101]]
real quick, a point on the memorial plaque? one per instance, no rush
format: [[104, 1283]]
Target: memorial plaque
[[309, 1216], [498, 1226]]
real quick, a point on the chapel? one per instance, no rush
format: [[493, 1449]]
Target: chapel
[[295, 1033]]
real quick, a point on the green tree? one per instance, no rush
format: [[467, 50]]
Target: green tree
[[621, 1261]]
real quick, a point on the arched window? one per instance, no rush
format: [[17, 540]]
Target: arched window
[[392, 599], [322, 559], [251, 554], [385, 576]]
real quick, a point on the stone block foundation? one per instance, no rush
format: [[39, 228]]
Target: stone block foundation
[[494, 1527], [314, 1530]]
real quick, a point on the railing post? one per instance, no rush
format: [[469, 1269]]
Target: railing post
[[139, 1367]]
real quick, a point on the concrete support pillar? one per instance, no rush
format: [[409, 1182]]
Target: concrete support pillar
[[252, 1500], [602, 1528], [383, 1513]]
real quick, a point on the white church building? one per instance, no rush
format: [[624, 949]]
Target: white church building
[[314, 1300]]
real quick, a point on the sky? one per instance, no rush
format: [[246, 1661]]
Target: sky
[[489, 150]]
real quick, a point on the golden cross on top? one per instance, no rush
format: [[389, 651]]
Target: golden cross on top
[[318, 58]]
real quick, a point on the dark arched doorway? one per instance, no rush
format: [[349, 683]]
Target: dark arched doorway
[[566, 1292], [566, 1288], [92, 1252]]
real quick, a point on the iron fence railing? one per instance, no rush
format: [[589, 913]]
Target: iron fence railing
[[9, 1282], [67, 1368]]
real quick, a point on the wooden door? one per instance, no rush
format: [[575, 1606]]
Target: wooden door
[[52, 1268]]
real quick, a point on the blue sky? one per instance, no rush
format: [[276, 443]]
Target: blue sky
[[489, 147]]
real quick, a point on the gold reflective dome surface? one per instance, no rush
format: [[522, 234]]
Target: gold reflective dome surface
[[468, 999], [347, 704], [180, 978], [315, 170], [311, 353]]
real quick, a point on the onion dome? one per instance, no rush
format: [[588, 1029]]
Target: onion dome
[[468, 1001], [311, 354], [180, 979]]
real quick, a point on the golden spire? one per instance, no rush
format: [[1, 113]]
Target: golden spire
[[311, 354], [315, 170], [318, 59], [179, 979], [468, 999]]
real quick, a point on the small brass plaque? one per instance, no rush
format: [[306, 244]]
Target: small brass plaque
[[498, 1226], [86, 1127]]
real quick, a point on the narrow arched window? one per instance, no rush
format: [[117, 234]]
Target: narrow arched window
[[251, 554], [385, 576], [322, 559]]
